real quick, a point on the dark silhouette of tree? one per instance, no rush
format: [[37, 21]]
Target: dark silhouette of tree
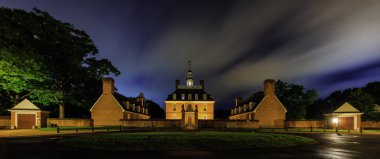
[[222, 114], [373, 88], [155, 111], [49, 61], [295, 98]]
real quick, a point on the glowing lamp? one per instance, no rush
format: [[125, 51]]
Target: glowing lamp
[[335, 120]]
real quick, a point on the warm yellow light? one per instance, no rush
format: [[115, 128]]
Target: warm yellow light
[[335, 120]]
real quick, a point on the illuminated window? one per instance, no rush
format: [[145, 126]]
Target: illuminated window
[[204, 96], [183, 96], [196, 97], [189, 96], [189, 83], [174, 96]]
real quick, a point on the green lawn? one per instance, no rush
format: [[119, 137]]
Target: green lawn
[[185, 140], [299, 130], [63, 128], [372, 131]]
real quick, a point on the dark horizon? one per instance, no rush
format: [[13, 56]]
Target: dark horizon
[[233, 45]]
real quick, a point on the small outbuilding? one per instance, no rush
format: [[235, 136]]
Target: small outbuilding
[[346, 117], [26, 115]]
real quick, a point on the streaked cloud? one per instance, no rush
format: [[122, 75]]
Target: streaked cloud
[[234, 45]]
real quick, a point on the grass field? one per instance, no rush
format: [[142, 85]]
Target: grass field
[[63, 128], [185, 140]]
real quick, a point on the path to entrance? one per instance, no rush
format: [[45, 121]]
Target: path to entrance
[[331, 146]]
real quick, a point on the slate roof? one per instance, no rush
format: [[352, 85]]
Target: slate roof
[[179, 92], [122, 99]]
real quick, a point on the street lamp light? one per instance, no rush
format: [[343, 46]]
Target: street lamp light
[[336, 121]]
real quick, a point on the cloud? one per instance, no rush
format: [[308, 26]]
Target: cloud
[[235, 45]]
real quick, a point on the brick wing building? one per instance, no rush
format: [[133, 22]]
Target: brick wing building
[[111, 107], [189, 103], [269, 111]]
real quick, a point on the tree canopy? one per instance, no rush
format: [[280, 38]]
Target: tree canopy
[[48, 61], [357, 97]]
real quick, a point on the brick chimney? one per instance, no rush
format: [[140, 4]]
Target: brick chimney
[[108, 86], [238, 101], [202, 83], [269, 87], [176, 84], [140, 99]]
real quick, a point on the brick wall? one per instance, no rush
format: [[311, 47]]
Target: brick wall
[[371, 124], [218, 124], [5, 121], [152, 123], [305, 123], [69, 122], [106, 111], [270, 112]]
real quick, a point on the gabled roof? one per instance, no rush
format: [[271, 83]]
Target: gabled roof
[[25, 105], [267, 97], [255, 105], [346, 108], [122, 99]]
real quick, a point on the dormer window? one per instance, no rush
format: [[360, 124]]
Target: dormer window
[[183, 96], [174, 96], [204, 96], [196, 97], [189, 96]]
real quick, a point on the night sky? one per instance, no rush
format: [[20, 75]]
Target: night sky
[[233, 45]]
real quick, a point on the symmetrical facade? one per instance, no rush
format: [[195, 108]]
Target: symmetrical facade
[[111, 107], [189, 102], [269, 112]]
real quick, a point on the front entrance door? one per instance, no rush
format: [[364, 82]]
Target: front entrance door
[[26, 121], [346, 123], [189, 121]]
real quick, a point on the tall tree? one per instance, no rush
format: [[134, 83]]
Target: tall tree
[[295, 98], [55, 63], [373, 88]]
